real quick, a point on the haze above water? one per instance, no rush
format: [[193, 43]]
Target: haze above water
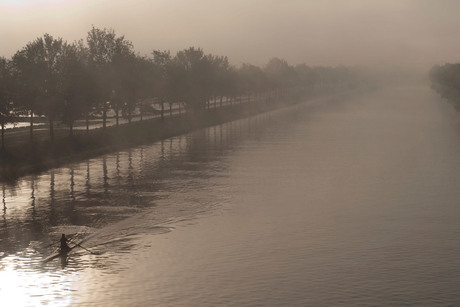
[[384, 33], [342, 203]]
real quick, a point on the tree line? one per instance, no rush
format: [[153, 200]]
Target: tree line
[[66, 82], [445, 80]]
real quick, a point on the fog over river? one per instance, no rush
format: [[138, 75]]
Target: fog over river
[[353, 201]]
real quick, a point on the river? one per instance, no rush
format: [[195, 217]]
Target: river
[[352, 201]]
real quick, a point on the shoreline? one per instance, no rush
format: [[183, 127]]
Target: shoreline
[[35, 157]]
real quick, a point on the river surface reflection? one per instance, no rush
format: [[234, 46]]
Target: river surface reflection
[[348, 202]]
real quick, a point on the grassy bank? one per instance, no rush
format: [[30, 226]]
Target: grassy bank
[[28, 157]]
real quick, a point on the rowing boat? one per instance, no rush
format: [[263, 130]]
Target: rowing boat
[[58, 253]]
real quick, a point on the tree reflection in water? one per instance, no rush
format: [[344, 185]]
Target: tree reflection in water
[[102, 190]]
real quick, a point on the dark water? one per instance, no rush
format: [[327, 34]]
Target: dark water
[[353, 202]]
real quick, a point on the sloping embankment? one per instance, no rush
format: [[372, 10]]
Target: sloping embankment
[[28, 157]]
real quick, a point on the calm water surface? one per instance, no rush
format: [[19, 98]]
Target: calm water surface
[[353, 202]]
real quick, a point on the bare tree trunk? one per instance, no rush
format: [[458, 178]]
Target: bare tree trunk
[[3, 135], [31, 125], [141, 109], [71, 129], [116, 115], [104, 118], [170, 109], [87, 122], [162, 109], [51, 122]]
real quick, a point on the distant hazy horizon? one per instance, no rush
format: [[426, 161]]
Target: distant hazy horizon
[[410, 33]]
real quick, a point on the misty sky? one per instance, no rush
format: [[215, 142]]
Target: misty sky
[[316, 32]]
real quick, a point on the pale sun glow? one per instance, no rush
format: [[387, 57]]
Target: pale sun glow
[[22, 286]]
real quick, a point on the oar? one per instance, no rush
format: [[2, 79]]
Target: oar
[[86, 249]]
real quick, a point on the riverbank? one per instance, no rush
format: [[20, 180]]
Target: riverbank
[[328, 195], [28, 157]]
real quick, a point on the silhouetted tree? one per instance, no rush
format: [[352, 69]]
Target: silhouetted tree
[[282, 76], [445, 80], [77, 85], [192, 78], [71, 81], [133, 75], [145, 78], [36, 67], [221, 78], [251, 80], [106, 53], [6, 103], [162, 86], [28, 74], [307, 78], [51, 102]]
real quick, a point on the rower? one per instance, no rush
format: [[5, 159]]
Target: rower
[[64, 245]]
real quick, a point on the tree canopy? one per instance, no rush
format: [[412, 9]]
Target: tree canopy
[[445, 80], [52, 78]]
